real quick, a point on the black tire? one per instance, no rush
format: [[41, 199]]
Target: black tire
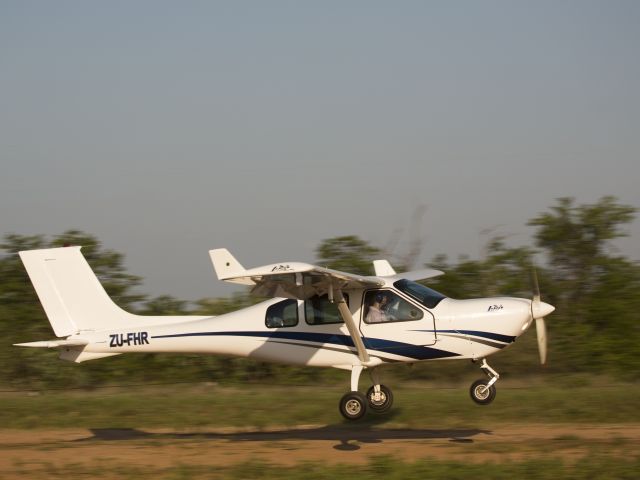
[[479, 396], [384, 403], [353, 406]]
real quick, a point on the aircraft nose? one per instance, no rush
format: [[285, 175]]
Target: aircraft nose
[[541, 309]]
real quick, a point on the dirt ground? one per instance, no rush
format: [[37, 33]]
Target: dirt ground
[[24, 452]]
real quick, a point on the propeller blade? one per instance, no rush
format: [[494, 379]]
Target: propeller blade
[[539, 310], [536, 286], [541, 331]]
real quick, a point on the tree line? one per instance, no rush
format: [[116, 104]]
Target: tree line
[[595, 328]]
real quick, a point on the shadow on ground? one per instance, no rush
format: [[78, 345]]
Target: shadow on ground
[[348, 435]]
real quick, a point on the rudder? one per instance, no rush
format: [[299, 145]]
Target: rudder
[[70, 293]]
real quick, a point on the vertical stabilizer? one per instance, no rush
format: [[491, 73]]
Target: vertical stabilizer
[[70, 293]]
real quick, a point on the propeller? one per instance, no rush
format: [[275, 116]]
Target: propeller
[[539, 310]]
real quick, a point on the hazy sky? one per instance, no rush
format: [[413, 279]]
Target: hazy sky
[[170, 128]]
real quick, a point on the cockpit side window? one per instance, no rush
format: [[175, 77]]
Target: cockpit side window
[[425, 295], [319, 310], [382, 306], [282, 314]]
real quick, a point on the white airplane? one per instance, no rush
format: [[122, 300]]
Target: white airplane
[[317, 317]]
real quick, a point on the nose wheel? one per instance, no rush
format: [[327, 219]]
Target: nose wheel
[[483, 392]]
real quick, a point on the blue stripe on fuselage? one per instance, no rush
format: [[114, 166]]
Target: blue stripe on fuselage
[[417, 352], [477, 333]]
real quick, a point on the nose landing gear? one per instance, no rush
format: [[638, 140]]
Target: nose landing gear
[[483, 392]]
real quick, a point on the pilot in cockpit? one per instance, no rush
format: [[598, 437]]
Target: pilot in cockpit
[[376, 312]]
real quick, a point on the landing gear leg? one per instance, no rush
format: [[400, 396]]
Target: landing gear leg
[[353, 405], [484, 391], [379, 396]]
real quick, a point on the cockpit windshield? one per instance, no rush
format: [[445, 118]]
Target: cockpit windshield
[[425, 295]]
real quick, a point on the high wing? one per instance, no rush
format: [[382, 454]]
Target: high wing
[[288, 280], [301, 281], [298, 281], [415, 275], [384, 269]]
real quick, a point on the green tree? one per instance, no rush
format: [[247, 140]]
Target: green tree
[[594, 328], [347, 253], [577, 240], [219, 306], [504, 271], [108, 266], [596, 290], [22, 318], [164, 305]]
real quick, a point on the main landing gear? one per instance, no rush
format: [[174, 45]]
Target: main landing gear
[[379, 398], [353, 405], [484, 391]]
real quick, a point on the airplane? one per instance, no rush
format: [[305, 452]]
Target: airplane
[[315, 316]]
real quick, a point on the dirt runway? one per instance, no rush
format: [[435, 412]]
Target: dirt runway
[[36, 452]]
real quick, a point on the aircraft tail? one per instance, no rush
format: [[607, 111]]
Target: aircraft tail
[[70, 293]]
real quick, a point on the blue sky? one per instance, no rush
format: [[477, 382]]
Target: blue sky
[[169, 128]]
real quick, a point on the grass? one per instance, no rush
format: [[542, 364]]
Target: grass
[[389, 468], [416, 406], [195, 408]]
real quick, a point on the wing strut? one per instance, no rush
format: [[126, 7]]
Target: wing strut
[[345, 313]]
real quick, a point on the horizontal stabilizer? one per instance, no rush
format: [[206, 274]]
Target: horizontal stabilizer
[[77, 342], [77, 355]]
